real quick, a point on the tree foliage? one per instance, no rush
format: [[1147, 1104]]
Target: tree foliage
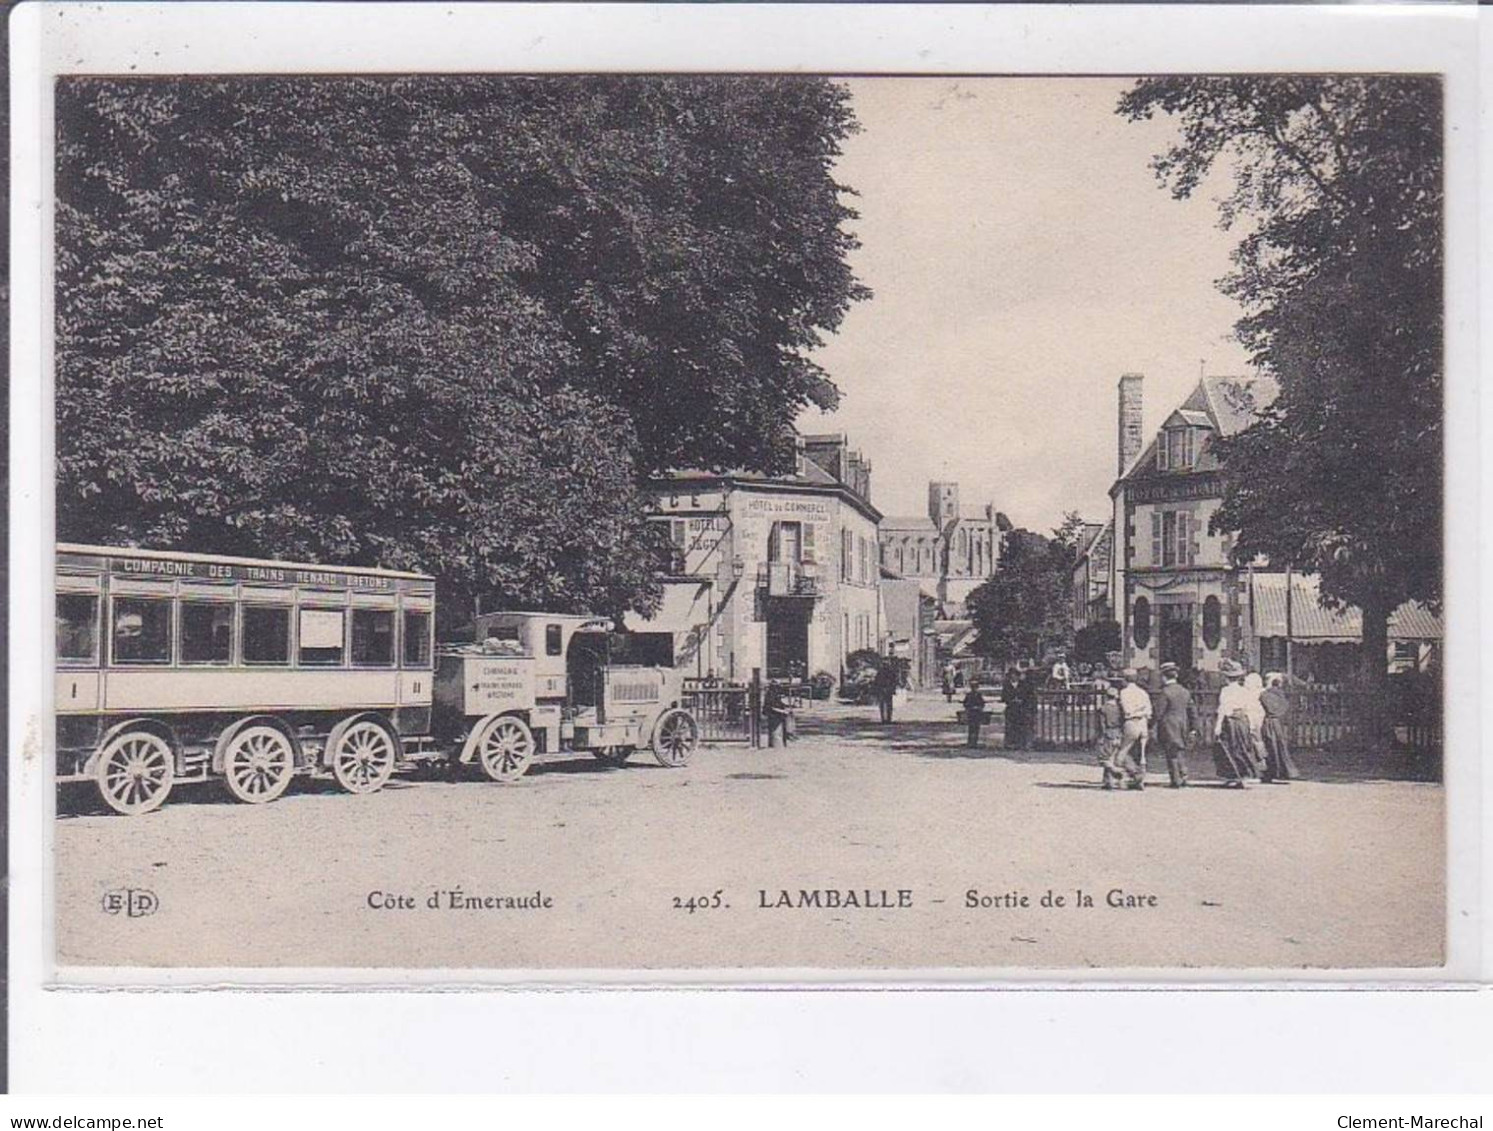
[[1337, 190], [1025, 609], [448, 323]]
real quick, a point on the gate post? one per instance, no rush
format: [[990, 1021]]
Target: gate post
[[754, 708]]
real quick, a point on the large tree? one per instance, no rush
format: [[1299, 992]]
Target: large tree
[[1025, 609], [442, 322], [1337, 191]]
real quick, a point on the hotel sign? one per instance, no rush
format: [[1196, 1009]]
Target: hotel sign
[[1181, 487]]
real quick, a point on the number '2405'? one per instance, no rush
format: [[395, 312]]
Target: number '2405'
[[695, 903]]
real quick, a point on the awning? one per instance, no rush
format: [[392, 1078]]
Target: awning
[[685, 607], [1312, 624]]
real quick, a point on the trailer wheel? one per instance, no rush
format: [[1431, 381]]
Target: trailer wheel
[[363, 757], [612, 755], [506, 748], [135, 772], [675, 738], [258, 764]]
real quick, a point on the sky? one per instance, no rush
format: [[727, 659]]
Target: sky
[[1022, 257]]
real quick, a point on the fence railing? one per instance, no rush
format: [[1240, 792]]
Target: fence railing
[[724, 712], [1322, 718]]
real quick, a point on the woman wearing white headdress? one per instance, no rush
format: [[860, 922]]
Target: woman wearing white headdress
[[1233, 744]]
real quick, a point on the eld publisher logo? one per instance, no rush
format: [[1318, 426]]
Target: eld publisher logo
[[134, 902]]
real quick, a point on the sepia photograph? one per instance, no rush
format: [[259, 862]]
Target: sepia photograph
[[533, 524]]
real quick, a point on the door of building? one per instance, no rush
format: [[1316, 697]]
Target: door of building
[[787, 641], [1176, 636]]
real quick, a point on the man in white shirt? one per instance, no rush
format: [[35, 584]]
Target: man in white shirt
[[1135, 706]]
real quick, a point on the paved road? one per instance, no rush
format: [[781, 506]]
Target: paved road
[[1332, 871]]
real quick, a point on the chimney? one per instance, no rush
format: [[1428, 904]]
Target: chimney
[[1131, 432]]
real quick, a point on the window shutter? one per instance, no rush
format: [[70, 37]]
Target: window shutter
[[1161, 452], [1195, 536], [774, 543], [1184, 525], [1156, 538], [808, 550]]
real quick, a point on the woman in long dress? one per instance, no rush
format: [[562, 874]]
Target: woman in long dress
[[1276, 731], [1233, 743], [1254, 687]]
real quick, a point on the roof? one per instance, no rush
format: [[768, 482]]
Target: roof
[[810, 477], [920, 524], [1311, 623], [1087, 536], [76, 548], [1227, 405]]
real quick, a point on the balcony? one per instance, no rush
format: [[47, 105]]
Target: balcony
[[789, 579]]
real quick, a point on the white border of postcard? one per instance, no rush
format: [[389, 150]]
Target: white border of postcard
[[138, 39]]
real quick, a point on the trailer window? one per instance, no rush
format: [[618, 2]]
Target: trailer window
[[373, 638], [416, 639], [553, 645], [142, 630], [77, 628], [266, 634], [322, 637], [206, 632]]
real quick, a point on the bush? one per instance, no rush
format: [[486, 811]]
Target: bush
[[821, 685]]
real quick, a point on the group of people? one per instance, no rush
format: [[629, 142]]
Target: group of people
[[1251, 733]]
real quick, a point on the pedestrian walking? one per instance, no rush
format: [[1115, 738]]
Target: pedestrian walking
[[1135, 707], [948, 686], [974, 713], [1026, 708], [775, 706], [885, 687], [1176, 723], [1276, 731], [1111, 724], [1254, 687], [1233, 744]]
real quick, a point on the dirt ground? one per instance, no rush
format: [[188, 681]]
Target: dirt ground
[[1342, 869]]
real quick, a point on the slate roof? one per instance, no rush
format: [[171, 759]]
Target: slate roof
[[1225, 404]]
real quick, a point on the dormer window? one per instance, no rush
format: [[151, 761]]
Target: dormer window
[[1176, 449]]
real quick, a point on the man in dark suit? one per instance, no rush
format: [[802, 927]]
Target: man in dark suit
[[1176, 723]]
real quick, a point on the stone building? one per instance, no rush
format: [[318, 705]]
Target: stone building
[[771, 574], [1175, 591], [1176, 594], [950, 551]]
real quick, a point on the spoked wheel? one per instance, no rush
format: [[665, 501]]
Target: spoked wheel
[[363, 757], [135, 772], [675, 738], [506, 749], [612, 755], [258, 764]]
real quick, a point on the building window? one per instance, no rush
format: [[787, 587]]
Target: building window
[[1212, 623], [1176, 449], [1140, 623], [1173, 538], [142, 630], [77, 628], [206, 633], [678, 541], [785, 542]]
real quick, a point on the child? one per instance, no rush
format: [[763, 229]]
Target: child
[[1111, 723]]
